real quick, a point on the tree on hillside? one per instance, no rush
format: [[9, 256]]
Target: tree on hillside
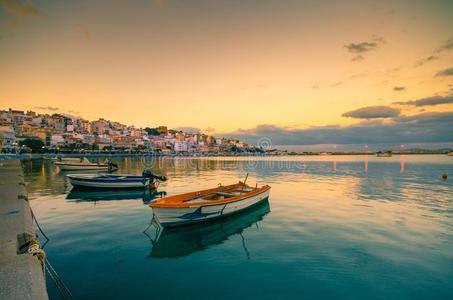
[[36, 145], [152, 131]]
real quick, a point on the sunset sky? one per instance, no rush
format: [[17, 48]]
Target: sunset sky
[[299, 72]]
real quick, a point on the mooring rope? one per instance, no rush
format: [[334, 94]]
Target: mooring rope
[[36, 250], [62, 288], [37, 224]]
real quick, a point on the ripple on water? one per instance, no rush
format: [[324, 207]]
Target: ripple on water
[[337, 229]]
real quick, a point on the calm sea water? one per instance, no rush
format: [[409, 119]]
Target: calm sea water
[[335, 227]]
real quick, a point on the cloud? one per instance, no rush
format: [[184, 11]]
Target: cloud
[[446, 72], [424, 60], [378, 39], [20, 7], [336, 83], [373, 112], [188, 129], [209, 130], [448, 45], [421, 128], [429, 101], [399, 88], [51, 108], [358, 75], [358, 58], [361, 47]]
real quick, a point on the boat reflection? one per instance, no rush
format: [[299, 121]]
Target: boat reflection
[[181, 241], [80, 195]]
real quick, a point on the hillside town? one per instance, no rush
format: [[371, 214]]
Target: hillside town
[[28, 131]]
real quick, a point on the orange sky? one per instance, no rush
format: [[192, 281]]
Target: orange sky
[[222, 64]]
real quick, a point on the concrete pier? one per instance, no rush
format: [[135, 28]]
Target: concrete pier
[[21, 273]]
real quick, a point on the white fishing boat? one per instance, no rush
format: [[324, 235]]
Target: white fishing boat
[[66, 159], [207, 204], [180, 241], [85, 164], [116, 181]]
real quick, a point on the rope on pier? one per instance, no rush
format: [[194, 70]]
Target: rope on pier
[[36, 250], [62, 288], [37, 224]]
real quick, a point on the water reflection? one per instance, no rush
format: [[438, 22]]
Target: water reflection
[[146, 195], [182, 241]]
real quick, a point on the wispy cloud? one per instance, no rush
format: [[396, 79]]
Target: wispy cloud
[[429, 101], [209, 130], [448, 45], [446, 72], [20, 7], [358, 75], [399, 88], [373, 112], [420, 128], [358, 58], [336, 83], [425, 60], [360, 48], [50, 108]]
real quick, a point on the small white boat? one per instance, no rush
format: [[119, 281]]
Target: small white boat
[[384, 154], [116, 181], [207, 204], [85, 164], [66, 159]]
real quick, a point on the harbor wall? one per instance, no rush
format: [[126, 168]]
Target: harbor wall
[[21, 273]]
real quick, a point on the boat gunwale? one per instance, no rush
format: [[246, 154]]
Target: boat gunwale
[[105, 177], [178, 201], [81, 164]]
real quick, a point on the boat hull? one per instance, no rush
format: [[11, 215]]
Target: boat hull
[[66, 166], [109, 183], [170, 217]]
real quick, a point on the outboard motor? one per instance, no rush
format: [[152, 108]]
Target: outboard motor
[[112, 167], [153, 178], [148, 174]]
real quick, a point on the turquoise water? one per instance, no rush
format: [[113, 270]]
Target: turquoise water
[[335, 227]]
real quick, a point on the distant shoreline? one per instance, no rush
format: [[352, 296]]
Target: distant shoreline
[[94, 155]]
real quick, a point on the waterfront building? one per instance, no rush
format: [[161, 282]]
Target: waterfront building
[[181, 146], [57, 140]]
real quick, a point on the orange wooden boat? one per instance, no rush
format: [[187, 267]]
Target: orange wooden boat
[[207, 204]]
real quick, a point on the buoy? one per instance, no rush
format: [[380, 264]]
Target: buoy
[[445, 176]]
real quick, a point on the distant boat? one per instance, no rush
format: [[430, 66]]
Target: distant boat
[[182, 241], [85, 164], [325, 153], [116, 181], [208, 204], [450, 153], [66, 159], [384, 154]]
